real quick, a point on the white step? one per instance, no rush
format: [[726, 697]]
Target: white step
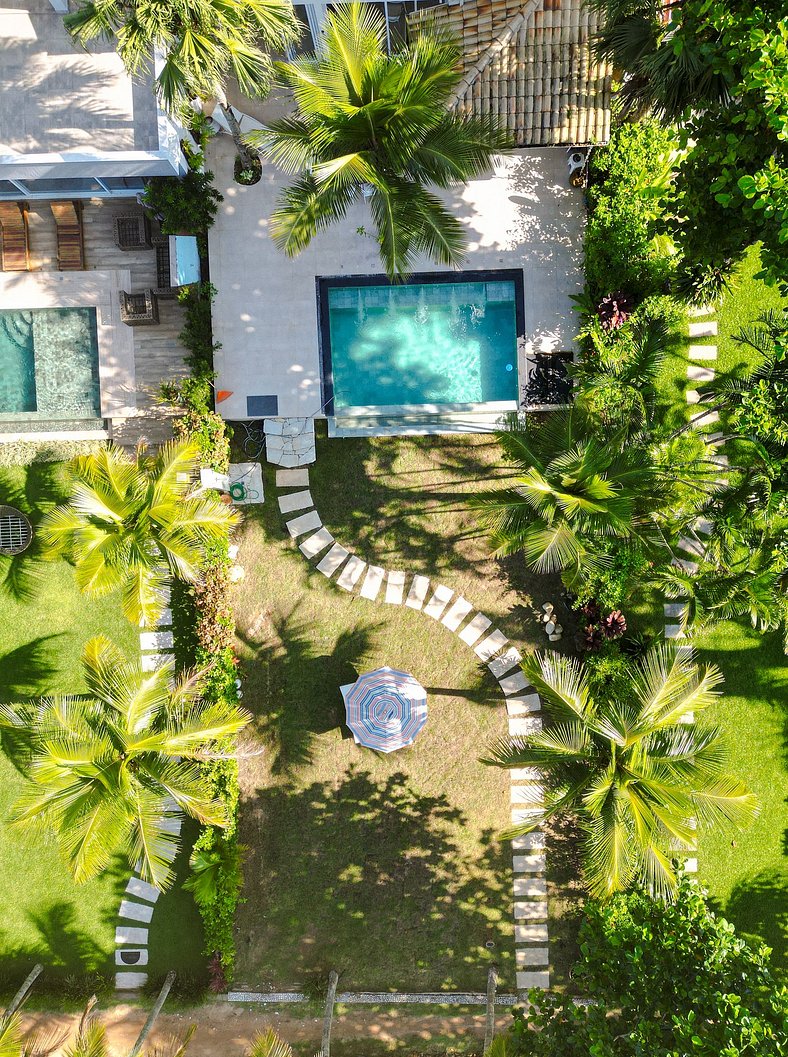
[[530, 887], [530, 910], [291, 501], [457, 612], [508, 659], [520, 706], [332, 561], [524, 726], [702, 352], [706, 329], [440, 599], [395, 587], [292, 478], [475, 629], [696, 373], [373, 581], [304, 523], [530, 934], [156, 640], [536, 841], [418, 591], [130, 934], [351, 574], [314, 544], [513, 684], [142, 890], [135, 911], [130, 981], [525, 956], [525, 981], [536, 863], [493, 644]]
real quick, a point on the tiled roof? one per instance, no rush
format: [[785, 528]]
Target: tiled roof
[[529, 62]]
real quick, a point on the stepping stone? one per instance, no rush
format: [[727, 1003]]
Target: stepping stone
[[701, 310], [523, 726], [142, 890], [530, 910], [150, 662], [525, 981], [418, 591], [135, 911], [674, 631], [351, 574], [691, 546], [372, 582], [458, 611], [530, 887], [674, 609], [156, 640], [130, 981], [688, 718], [525, 814], [512, 684], [715, 438], [529, 863], [693, 396], [704, 417], [702, 352], [493, 644], [131, 957], [165, 618], [703, 526], [707, 329], [696, 373], [501, 665], [332, 561], [525, 774], [292, 478], [519, 706], [304, 523], [130, 934], [530, 933], [317, 542], [687, 565], [528, 794], [531, 956], [172, 824], [475, 629], [536, 841], [691, 866], [395, 587], [440, 599], [295, 501]]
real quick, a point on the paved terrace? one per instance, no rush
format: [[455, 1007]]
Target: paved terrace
[[524, 215], [158, 354]]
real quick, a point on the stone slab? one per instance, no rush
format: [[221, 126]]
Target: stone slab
[[525, 814], [130, 934], [692, 396], [475, 629], [530, 910], [317, 542], [706, 329], [513, 684], [525, 956], [691, 866], [150, 662], [292, 478], [536, 863], [493, 644], [395, 587], [687, 565], [523, 726], [520, 706], [702, 352], [142, 890], [130, 956], [372, 582], [704, 418], [674, 609], [457, 612], [440, 599], [696, 373], [352, 573], [130, 981], [536, 841], [530, 887], [135, 911], [304, 523], [332, 561], [172, 824], [418, 591], [525, 774], [501, 665], [703, 526], [525, 981], [291, 501], [156, 640], [530, 934], [528, 793], [674, 631]]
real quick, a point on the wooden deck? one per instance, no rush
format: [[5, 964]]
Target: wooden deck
[[158, 354]]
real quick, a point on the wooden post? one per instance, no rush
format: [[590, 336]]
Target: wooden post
[[489, 1025], [157, 1006], [331, 996], [24, 990]]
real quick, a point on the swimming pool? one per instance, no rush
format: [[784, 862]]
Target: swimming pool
[[49, 365], [441, 341]]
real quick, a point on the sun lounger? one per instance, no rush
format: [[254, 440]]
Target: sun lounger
[[70, 241], [15, 246]]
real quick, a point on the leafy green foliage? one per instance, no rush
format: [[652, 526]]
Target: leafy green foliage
[[666, 979], [618, 756], [610, 583], [378, 126], [183, 205]]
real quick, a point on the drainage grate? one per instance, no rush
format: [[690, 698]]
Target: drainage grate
[[15, 531]]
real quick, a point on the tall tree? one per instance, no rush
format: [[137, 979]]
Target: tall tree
[[618, 756], [204, 44], [109, 770], [132, 523], [377, 126]]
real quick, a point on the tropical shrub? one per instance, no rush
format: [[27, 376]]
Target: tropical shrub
[[184, 205]]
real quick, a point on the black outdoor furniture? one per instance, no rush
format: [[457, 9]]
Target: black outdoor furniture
[[548, 382], [132, 231], [139, 310]]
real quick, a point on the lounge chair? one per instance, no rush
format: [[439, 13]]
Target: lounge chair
[[15, 244], [70, 239]]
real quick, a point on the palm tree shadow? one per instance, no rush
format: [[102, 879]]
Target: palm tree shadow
[[288, 669], [26, 672], [758, 907], [34, 490], [63, 941]]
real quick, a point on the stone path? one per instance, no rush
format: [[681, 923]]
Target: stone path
[[523, 707], [289, 441], [136, 906]]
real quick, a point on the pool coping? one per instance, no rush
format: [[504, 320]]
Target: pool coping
[[323, 283]]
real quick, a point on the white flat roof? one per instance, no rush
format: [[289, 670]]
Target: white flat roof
[[524, 215]]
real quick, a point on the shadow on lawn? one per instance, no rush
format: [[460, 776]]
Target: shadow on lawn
[[38, 489], [28, 670], [758, 907], [366, 876]]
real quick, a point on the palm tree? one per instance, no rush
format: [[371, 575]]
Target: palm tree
[[268, 1044], [619, 757], [575, 488], [109, 770], [133, 523], [204, 42], [376, 126]]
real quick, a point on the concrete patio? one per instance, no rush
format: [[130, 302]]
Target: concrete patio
[[524, 215]]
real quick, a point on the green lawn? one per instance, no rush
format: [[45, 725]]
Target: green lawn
[[46, 917], [388, 868]]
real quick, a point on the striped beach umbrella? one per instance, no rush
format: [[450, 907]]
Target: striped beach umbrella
[[385, 709]]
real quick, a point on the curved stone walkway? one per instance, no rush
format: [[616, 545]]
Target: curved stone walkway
[[459, 617]]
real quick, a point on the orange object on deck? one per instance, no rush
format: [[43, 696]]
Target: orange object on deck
[[222, 394]]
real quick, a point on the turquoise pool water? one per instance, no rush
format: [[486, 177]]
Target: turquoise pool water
[[443, 343], [49, 364]]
